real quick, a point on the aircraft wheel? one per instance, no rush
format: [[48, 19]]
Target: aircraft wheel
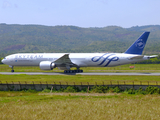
[[12, 70]]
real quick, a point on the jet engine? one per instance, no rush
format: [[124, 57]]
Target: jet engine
[[47, 65]]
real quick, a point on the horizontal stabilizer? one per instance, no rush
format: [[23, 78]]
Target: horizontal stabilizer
[[153, 56], [137, 57]]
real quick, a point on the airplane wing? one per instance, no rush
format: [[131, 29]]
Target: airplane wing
[[64, 59], [64, 62]]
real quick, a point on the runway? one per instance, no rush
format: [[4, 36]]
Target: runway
[[58, 73]]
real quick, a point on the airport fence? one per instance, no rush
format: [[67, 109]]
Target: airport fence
[[126, 82], [39, 86]]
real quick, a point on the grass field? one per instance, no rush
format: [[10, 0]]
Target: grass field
[[81, 106], [69, 106]]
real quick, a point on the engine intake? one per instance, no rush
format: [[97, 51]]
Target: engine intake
[[47, 65]]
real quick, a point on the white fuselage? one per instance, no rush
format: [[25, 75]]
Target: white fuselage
[[78, 59]]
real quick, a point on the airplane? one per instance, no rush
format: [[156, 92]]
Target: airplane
[[65, 61]]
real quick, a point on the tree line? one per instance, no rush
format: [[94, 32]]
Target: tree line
[[55, 39]]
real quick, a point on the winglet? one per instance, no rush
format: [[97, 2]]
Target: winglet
[[138, 46]]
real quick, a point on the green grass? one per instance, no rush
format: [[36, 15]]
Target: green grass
[[122, 68], [58, 106]]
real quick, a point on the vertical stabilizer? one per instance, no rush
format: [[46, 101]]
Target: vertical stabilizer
[[138, 46]]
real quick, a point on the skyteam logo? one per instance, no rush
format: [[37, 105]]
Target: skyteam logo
[[140, 44], [105, 59]]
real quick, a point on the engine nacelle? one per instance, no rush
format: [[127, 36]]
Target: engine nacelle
[[46, 65]]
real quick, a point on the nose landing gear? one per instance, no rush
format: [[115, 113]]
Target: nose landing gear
[[12, 68]]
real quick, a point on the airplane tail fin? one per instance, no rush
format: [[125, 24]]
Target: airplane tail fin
[[138, 46]]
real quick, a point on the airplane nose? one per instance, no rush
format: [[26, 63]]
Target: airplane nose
[[2, 61]]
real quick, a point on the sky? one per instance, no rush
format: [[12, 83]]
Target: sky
[[81, 13]]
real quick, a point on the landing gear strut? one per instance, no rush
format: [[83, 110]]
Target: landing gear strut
[[12, 68], [73, 71]]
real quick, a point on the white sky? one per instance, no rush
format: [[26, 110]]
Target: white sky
[[81, 13]]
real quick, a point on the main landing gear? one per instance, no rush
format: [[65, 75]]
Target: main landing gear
[[73, 71]]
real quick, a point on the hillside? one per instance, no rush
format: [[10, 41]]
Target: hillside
[[38, 38]]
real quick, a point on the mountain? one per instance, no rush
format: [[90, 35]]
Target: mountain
[[38, 38]]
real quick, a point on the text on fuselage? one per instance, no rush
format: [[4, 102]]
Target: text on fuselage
[[29, 56]]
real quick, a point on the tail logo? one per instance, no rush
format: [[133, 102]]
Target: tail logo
[[140, 44]]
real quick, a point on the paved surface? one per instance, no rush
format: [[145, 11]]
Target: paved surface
[[53, 73]]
